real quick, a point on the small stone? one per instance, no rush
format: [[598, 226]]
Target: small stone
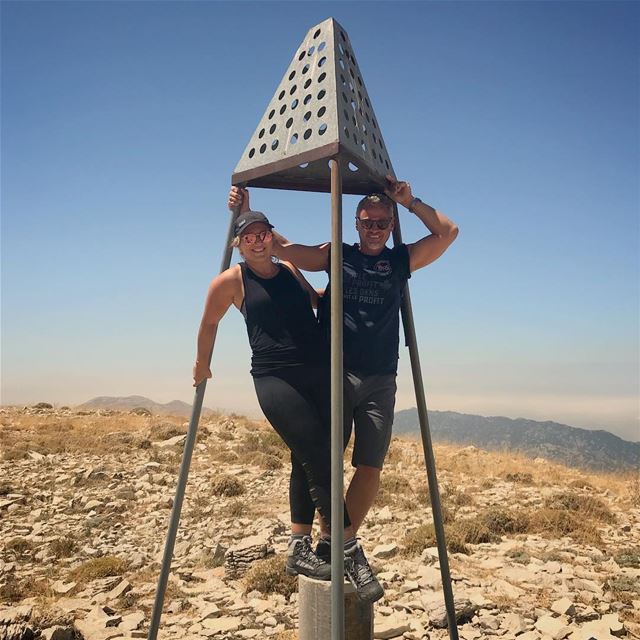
[[564, 606]]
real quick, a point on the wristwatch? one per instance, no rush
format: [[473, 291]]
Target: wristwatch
[[413, 203]]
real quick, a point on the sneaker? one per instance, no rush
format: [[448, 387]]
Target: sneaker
[[323, 549], [301, 560], [359, 573]]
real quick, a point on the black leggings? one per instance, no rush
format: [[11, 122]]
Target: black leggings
[[297, 403]]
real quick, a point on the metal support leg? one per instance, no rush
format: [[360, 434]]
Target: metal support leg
[[184, 474], [337, 436], [434, 494]]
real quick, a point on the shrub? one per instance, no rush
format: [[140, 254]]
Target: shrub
[[520, 477], [141, 411], [268, 576], [227, 486], [235, 509], [503, 521], [628, 557], [63, 547], [587, 507], [20, 546]]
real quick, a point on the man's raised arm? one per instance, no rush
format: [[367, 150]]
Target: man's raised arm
[[443, 230]]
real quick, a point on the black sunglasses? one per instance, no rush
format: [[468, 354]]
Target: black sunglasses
[[379, 224]]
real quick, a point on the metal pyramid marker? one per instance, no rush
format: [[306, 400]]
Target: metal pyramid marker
[[320, 110]]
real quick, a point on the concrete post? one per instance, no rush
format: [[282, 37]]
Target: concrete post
[[314, 606]]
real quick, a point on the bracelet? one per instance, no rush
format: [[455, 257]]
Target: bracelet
[[413, 203]]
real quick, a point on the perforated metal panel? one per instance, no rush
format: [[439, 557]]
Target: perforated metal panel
[[320, 110]]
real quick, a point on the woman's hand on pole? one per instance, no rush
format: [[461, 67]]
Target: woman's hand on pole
[[238, 199], [200, 373]]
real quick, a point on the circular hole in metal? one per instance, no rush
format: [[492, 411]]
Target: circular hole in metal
[[322, 61], [359, 80], [272, 113], [321, 77], [294, 104], [263, 148], [355, 138], [294, 138], [375, 126], [307, 116], [346, 114], [307, 83], [261, 134], [373, 153], [292, 75], [302, 55], [359, 96], [321, 111], [316, 34], [293, 90], [380, 143], [344, 82], [367, 103], [322, 94], [272, 128], [351, 72], [387, 164], [355, 122], [373, 135], [305, 68], [307, 134], [252, 153], [304, 165], [281, 94], [341, 63], [353, 104], [343, 36], [364, 147], [346, 132], [274, 145], [321, 46], [283, 108], [351, 87], [344, 97], [341, 47], [322, 129], [311, 50], [307, 98], [352, 167], [366, 115], [289, 123]]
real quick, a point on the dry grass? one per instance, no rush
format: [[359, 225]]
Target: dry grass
[[92, 433], [98, 568], [268, 576]]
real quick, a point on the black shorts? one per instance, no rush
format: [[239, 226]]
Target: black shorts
[[369, 402]]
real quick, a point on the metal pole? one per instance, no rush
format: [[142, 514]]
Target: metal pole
[[184, 472], [434, 494], [337, 436]]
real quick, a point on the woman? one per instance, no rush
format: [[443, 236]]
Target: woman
[[289, 369]]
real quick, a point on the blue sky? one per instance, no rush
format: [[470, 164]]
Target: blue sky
[[123, 121]]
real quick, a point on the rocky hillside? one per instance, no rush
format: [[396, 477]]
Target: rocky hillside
[[581, 448], [537, 550], [128, 403]]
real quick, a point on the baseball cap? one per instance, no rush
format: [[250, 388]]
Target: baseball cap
[[247, 218]]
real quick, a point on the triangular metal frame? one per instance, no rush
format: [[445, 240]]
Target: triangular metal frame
[[320, 110]]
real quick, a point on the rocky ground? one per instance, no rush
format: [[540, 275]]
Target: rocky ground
[[537, 551]]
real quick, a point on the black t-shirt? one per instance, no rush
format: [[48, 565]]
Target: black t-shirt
[[372, 294], [282, 328]]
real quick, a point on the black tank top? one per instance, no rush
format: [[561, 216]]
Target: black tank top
[[282, 328]]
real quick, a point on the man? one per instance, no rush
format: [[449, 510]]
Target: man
[[374, 277]]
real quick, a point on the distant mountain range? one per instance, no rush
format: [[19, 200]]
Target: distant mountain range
[[173, 408], [574, 447]]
